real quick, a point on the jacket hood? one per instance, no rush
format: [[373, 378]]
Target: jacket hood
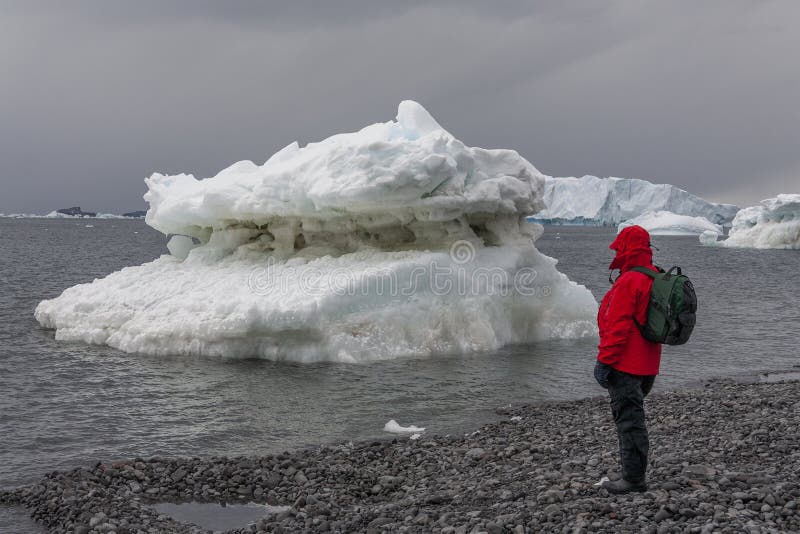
[[632, 246]]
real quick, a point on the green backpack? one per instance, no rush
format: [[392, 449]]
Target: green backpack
[[672, 308]]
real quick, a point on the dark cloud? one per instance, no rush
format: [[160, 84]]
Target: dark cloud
[[97, 95]]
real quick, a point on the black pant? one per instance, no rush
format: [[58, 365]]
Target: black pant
[[627, 406]]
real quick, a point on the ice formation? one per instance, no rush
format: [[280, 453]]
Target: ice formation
[[609, 201], [708, 237], [667, 223], [775, 223], [395, 428], [180, 246], [394, 240]]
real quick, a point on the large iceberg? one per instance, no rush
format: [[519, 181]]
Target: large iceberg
[[394, 240], [775, 223], [668, 223], [609, 201]]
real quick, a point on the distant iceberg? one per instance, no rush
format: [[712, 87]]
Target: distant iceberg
[[68, 214], [775, 223], [609, 201], [63, 214], [19, 216], [667, 223], [394, 240]]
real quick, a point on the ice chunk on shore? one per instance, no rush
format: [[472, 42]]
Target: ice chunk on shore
[[394, 240], [775, 223], [609, 201], [395, 428], [668, 223]]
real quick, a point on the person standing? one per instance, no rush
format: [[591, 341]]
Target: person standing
[[627, 363]]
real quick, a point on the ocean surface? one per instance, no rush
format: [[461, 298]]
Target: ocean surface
[[64, 405]]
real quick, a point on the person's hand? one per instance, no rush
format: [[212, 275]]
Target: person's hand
[[601, 373]]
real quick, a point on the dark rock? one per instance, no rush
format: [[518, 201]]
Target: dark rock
[[380, 521], [76, 211], [476, 453], [273, 479], [723, 459], [138, 214], [661, 515], [702, 472], [178, 474]]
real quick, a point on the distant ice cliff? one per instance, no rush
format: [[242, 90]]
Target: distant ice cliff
[[609, 201]]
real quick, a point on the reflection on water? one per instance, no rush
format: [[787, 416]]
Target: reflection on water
[[780, 376], [213, 516], [15, 519]]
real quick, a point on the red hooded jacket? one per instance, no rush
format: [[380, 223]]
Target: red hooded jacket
[[621, 344]]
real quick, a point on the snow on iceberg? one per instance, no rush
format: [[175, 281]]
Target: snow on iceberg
[[609, 201], [667, 223], [775, 223], [394, 240]]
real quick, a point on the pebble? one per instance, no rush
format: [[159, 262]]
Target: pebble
[[661, 515], [723, 458]]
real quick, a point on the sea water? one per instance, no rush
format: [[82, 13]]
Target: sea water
[[68, 404]]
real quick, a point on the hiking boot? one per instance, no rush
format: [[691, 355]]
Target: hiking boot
[[623, 486]]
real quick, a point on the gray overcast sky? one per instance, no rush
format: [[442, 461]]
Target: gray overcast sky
[[94, 96]]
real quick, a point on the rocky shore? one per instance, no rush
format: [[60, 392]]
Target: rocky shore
[[725, 458]]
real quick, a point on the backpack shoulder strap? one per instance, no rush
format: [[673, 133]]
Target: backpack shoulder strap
[[645, 270]]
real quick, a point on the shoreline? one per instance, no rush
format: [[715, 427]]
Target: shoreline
[[723, 457]]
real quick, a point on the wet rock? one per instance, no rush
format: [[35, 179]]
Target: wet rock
[[440, 498], [702, 472], [380, 521], [661, 515], [273, 479], [178, 474], [552, 509], [97, 519], [724, 458], [476, 453]]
